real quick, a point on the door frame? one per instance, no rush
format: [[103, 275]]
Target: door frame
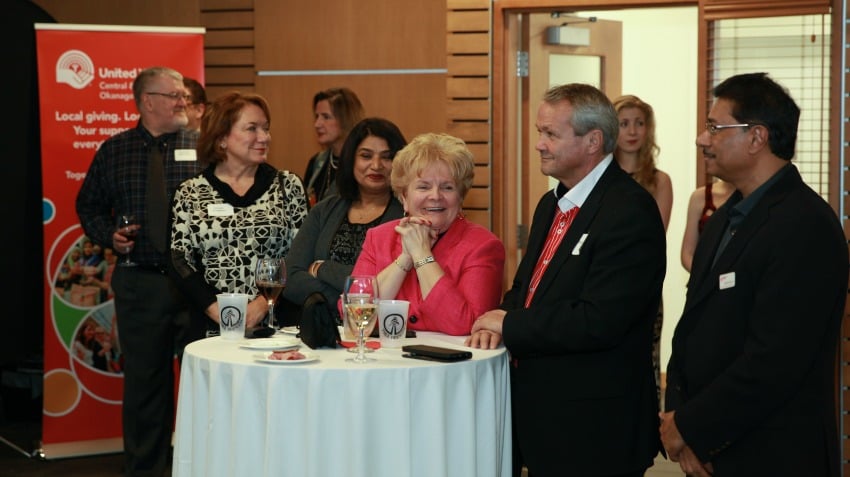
[[505, 152]]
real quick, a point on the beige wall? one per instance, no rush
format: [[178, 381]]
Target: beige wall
[[303, 40]]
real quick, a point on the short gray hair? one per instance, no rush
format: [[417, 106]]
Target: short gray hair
[[591, 110], [147, 75]]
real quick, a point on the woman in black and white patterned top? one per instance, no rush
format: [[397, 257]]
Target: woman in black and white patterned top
[[237, 210]]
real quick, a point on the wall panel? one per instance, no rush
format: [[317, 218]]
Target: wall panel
[[482, 176], [470, 132], [468, 95], [469, 65], [414, 102], [229, 38], [228, 19], [468, 43], [468, 87], [468, 108], [481, 152], [230, 56], [214, 91], [229, 49], [477, 216], [236, 77], [342, 34], [468, 4], [320, 44], [226, 4], [468, 20], [137, 12], [477, 198]]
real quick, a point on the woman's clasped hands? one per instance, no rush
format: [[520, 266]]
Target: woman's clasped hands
[[417, 236]]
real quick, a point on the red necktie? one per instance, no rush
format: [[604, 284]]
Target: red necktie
[[559, 228]]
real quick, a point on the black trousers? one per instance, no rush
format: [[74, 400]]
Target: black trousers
[[153, 324]]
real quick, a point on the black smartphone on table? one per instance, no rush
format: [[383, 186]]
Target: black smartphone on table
[[435, 353], [259, 332]]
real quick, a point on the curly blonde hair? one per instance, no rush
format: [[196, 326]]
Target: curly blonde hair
[[644, 174], [430, 148]]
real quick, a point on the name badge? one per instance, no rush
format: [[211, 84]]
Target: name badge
[[185, 155], [577, 248], [219, 210], [727, 280]]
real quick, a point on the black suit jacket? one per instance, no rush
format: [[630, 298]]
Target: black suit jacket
[[751, 376], [584, 400]]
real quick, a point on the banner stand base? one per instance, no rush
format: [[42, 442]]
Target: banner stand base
[[59, 450], [11, 444]]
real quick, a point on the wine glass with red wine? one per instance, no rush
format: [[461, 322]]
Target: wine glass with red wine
[[128, 227], [270, 278]]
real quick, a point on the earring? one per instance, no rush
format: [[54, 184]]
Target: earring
[[223, 145]]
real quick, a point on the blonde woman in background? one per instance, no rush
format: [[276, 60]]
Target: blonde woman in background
[[635, 153]]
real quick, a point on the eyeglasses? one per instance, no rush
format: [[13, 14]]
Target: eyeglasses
[[175, 96], [716, 128]]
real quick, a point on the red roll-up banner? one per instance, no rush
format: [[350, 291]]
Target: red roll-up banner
[[85, 78]]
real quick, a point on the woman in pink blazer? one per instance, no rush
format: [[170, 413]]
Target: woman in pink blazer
[[449, 268]]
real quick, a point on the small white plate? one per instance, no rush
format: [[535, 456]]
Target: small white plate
[[290, 330], [281, 343], [264, 358]]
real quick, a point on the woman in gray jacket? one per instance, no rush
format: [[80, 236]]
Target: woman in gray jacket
[[328, 243]]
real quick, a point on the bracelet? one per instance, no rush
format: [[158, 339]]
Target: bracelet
[[399, 265], [424, 261], [314, 268]]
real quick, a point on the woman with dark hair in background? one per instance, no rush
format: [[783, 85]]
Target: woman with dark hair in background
[[329, 242], [196, 104], [335, 112]]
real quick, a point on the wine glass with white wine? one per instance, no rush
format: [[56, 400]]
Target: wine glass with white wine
[[270, 278], [360, 299]]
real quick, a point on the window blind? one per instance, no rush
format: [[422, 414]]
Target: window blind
[[794, 51]]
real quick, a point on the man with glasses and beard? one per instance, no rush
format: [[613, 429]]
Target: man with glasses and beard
[[136, 172]]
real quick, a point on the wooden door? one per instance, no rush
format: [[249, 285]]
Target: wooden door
[[599, 64]]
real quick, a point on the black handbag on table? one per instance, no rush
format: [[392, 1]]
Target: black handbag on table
[[318, 323]]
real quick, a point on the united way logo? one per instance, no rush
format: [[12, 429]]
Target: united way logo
[[75, 69]]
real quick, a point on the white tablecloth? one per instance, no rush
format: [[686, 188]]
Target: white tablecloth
[[393, 417]]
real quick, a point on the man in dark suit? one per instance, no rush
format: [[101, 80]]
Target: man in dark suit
[[751, 380], [578, 319]]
